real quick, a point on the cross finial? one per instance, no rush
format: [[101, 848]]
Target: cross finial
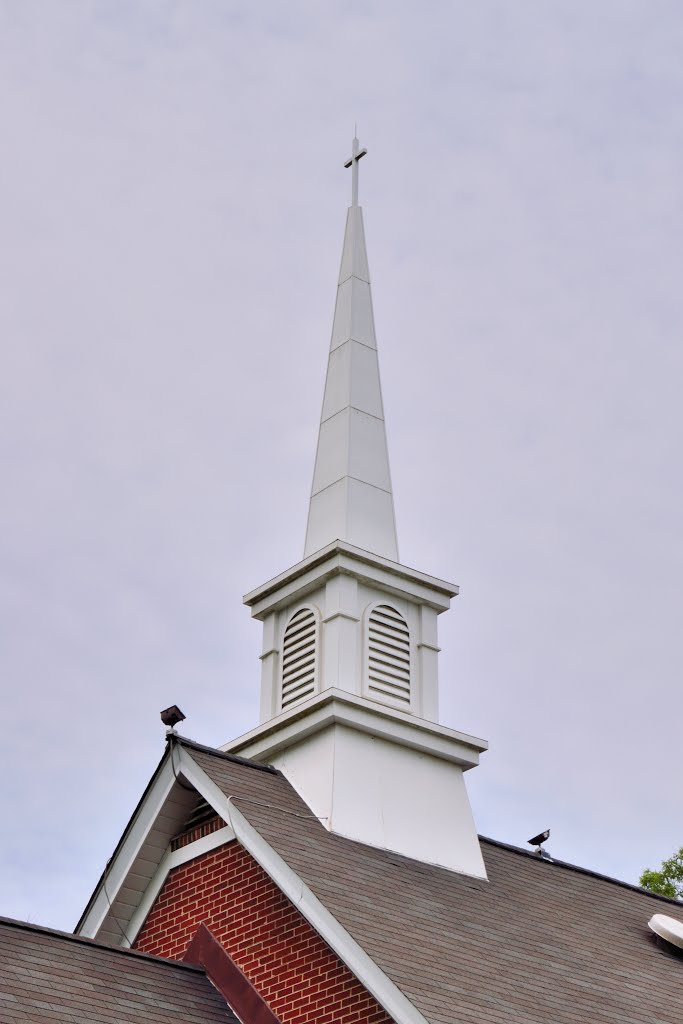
[[352, 162]]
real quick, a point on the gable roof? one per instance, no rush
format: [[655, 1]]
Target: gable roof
[[539, 941], [49, 977]]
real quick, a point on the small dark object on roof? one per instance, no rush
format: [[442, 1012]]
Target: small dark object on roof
[[541, 838], [171, 716]]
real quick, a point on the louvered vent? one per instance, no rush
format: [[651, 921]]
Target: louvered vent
[[389, 656], [298, 658]]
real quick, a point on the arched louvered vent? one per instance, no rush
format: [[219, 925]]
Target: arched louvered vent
[[298, 657], [389, 656]]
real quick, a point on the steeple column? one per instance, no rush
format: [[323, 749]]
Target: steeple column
[[341, 653]]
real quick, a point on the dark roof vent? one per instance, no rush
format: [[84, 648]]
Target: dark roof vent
[[667, 928]]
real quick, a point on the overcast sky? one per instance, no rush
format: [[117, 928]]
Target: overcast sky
[[172, 199]]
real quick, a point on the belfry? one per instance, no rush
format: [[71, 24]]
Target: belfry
[[349, 678]]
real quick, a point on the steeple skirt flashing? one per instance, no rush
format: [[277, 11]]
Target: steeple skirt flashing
[[374, 791], [378, 777]]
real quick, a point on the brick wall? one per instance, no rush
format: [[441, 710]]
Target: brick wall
[[285, 959]]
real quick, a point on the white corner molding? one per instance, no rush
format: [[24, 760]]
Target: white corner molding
[[387, 994]]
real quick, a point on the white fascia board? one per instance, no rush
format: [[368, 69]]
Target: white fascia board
[[115, 875], [335, 706], [173, 859], [342, 557], [387, 994]]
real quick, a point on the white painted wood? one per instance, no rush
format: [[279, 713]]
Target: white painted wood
[[299, 676], [118, 870], [340, 556], [359, 764], [387, 795], [344, 586], [171, 860], [333, 705], [270, 662], [391, 781], [402, 693]]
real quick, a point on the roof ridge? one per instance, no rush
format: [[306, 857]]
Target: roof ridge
[[217, 752], [105, 947], [579, 870]]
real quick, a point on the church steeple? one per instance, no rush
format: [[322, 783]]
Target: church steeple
[[349, 664], [351, 497]]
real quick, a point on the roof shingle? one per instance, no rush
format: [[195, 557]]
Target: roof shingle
[[49, 977], [538, 942]]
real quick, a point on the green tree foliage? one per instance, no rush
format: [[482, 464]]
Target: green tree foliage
[[668, 881]]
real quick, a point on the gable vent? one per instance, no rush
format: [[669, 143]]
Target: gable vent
[[389, 656], [299, 657]]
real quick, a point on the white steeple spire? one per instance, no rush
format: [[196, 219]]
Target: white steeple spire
[[351, 498], [349, 662]]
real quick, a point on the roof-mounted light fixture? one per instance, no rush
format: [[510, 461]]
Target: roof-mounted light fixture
[[171, 716], [538, 841]]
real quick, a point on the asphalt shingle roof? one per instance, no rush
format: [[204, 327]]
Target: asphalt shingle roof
[[48, 977], [538, 943]]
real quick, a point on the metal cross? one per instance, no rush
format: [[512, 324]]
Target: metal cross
[[352, 162]]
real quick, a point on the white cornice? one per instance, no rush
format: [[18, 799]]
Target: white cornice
[[340, 557], [337, 706]]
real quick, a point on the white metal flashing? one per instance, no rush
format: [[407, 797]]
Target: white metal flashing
[[387, 994]]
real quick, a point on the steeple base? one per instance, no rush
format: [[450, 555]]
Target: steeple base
[[380, 777]]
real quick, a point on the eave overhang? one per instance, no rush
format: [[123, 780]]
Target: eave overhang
[[118, 908]]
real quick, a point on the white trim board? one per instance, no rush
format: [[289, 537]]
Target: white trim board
[[173, 859], [117, 872], [335, 705]]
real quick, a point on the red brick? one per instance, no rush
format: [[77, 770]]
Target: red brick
[[285, 959]]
